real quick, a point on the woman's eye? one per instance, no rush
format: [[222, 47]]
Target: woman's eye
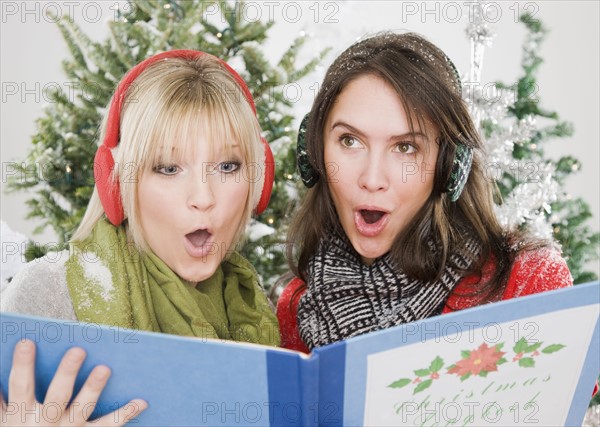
[[349, 141], [167, 170], [406, 148], [228, 167]]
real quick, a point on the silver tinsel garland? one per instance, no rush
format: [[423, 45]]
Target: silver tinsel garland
[[529, 203]]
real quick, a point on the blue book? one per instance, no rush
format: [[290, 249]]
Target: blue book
[[531, 360]]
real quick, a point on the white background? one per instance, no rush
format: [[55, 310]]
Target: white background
[[32, 50]]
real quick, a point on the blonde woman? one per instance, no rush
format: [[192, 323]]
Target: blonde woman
[[179, 172]]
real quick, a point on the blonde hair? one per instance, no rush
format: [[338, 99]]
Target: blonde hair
[[170, 101]]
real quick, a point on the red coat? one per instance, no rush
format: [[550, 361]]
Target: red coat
[[534, 271]]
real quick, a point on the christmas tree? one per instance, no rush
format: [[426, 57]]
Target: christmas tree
[[65, 142], [530, 184]]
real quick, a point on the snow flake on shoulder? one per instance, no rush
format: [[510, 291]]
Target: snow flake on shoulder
[[40, 289], [538, 270], [95, 271]]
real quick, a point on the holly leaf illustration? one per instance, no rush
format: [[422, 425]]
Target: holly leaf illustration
[[422, 372], [501, 361], [533, 347], [526, 362], [552, 348], [422, 386], [436, 364], [499, 346], [520, 346], [400, 383]]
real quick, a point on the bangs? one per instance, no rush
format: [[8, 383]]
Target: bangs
[[180, 133]]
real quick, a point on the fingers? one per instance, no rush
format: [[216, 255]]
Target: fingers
[[21, 382], [2, 407], [85, 402], [21, 387], [61, 388], [124, 414]]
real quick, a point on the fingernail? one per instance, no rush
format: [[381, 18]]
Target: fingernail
[[102, 372], [76, 353], [142, 404], [25, 347]]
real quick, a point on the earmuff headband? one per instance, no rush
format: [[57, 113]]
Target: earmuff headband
[[111, 139], [108, 191]]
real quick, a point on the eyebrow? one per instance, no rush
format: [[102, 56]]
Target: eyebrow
[[362, 135], [175, 148]]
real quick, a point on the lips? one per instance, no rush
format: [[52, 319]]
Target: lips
[[370, 221], [199, 242]]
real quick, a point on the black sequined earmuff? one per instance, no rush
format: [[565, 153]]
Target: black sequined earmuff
[[461, 165], [308, 174], [463, 156]]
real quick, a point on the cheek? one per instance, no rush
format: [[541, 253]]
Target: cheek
[[341, 197], [338, 178], [232, 197], [331, 166], [240, 193], [154, 202], [145, 199]]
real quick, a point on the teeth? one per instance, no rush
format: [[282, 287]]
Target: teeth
[[198, 238], [371, 217]]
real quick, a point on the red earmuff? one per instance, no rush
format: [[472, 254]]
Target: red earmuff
[[109, 191]]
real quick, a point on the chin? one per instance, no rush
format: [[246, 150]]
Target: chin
[[197, 276], [368, 259], [370, 252]]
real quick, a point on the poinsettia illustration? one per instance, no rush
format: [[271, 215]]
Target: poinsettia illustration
[[480, 361], [424, 377]]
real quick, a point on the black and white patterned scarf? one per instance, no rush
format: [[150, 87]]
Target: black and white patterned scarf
[[345, 297]]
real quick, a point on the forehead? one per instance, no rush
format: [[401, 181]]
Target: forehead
[[370, 103], [374, 102]]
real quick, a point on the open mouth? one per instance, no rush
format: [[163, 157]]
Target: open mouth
[[370, 222], [371, 217], [198, 238]]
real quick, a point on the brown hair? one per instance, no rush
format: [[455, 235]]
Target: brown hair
[[427, 84]]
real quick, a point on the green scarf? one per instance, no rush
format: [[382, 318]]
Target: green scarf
[[112, 283]]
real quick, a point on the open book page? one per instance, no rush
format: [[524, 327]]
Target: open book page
[[530, 360]]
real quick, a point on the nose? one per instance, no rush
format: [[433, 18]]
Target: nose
[[200, 194], [373, 174]]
